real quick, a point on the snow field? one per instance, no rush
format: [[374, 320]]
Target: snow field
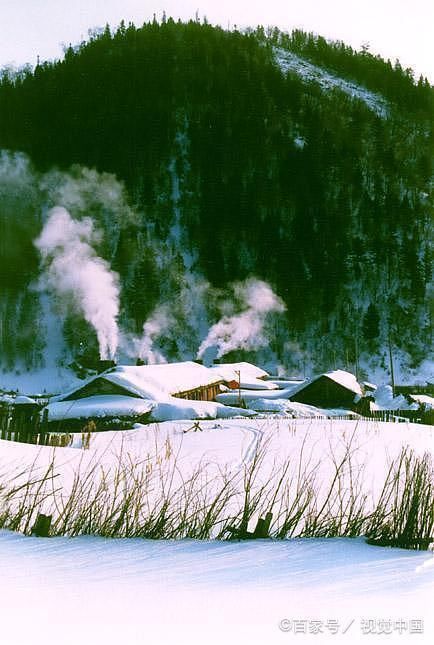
[[105, 592], [285, 462], [108, 591]]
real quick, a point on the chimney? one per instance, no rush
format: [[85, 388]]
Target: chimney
[[102, 366]]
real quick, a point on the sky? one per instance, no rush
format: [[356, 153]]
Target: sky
[[392, 28]]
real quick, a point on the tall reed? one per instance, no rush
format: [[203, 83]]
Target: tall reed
[[153, 497]]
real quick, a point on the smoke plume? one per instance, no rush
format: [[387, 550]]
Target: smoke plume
[[75, 273], [243, 330], [146, 346], [172, 329]]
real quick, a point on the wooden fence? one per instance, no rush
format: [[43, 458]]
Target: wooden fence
[[393, 416], [404, 416], [24, 423]]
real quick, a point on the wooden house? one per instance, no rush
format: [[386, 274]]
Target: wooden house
[[337, 389], [185, 380]]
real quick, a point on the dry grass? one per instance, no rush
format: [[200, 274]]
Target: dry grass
[[153, 498], [405, 512]]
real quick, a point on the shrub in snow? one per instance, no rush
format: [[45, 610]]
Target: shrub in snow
[[154, 495], [405, 513]]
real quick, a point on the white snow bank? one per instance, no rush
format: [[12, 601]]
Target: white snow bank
[[424, 399], [286, 408], [165, 409], [169, 409], [298, 410], [235, 439], [98, 407], [179, 409], [384, 400], [232, 398], [290, 62]]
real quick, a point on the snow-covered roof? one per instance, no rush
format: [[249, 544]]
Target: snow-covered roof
[[346, 379], [232, 398], [178, 409], [248, 376], [369, 386], [257, 384], [343, 378], [98, 407], [154, 381], [228, 371], [113, 406], [423, 399], [6, 398], [24, 400]]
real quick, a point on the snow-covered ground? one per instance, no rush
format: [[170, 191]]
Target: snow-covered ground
[[95, 591], [166, 409], [313, 446], [290, 62]]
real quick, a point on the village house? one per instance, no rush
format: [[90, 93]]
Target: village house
[[336, 389], [185, 380], [126, 393]]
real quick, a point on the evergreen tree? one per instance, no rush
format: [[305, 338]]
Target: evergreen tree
[[371, 323]]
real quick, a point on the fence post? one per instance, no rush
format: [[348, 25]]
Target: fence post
[[42, 525]]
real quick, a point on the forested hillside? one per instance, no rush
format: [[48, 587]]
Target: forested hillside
[[209, 158]]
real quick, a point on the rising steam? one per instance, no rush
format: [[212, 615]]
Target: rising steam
[[244, 330], [145, 347], [152, 329], [75, 272]]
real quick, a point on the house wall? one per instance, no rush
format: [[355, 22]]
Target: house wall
[[102, 386], [97, 387], [325, 393], [202, 393]]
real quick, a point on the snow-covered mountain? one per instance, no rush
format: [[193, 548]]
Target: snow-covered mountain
[[253, 196], [290, 62]]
